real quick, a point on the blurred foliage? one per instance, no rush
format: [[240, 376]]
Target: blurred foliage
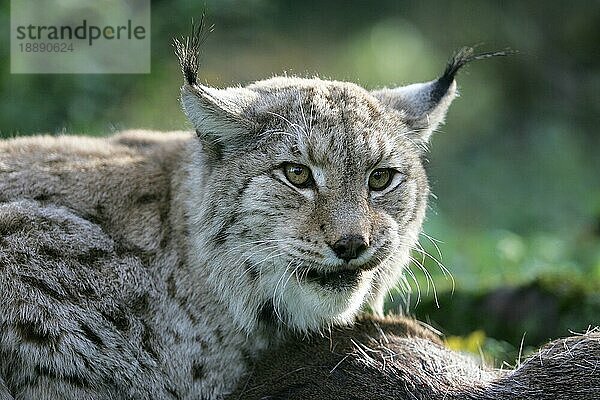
[[507, 322], [515, 169], [471, 343], [489, 351]]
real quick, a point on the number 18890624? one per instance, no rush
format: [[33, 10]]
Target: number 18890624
[[60, 47]]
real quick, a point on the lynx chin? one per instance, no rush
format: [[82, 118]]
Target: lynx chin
[[157, 265]]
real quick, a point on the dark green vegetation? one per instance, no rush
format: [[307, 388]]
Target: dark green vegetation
[[515, 169]]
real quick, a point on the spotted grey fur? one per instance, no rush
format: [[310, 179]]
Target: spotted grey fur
[[158, 265]]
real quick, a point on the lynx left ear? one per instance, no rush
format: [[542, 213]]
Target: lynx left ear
[[424, 105]]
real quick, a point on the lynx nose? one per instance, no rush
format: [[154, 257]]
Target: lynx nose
[[350, 247]]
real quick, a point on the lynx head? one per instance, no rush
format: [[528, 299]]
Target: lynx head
[[311, 193]]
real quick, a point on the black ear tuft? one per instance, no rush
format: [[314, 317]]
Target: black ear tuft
[[462, 57], [424, 105], [187, 49]]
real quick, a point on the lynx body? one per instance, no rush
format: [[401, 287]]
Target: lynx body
[[157, 265]]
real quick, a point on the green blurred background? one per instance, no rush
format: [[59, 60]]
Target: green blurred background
[[515, 170]]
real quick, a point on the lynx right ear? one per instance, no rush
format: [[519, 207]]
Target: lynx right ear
[[217, 114], [424, 105]]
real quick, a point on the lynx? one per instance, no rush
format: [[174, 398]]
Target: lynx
[[159, 265]]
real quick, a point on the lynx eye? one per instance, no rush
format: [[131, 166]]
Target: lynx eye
[[299, 175], [380, 178]]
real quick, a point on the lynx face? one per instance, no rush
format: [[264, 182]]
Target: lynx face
[[313, 195], [331, 194]]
